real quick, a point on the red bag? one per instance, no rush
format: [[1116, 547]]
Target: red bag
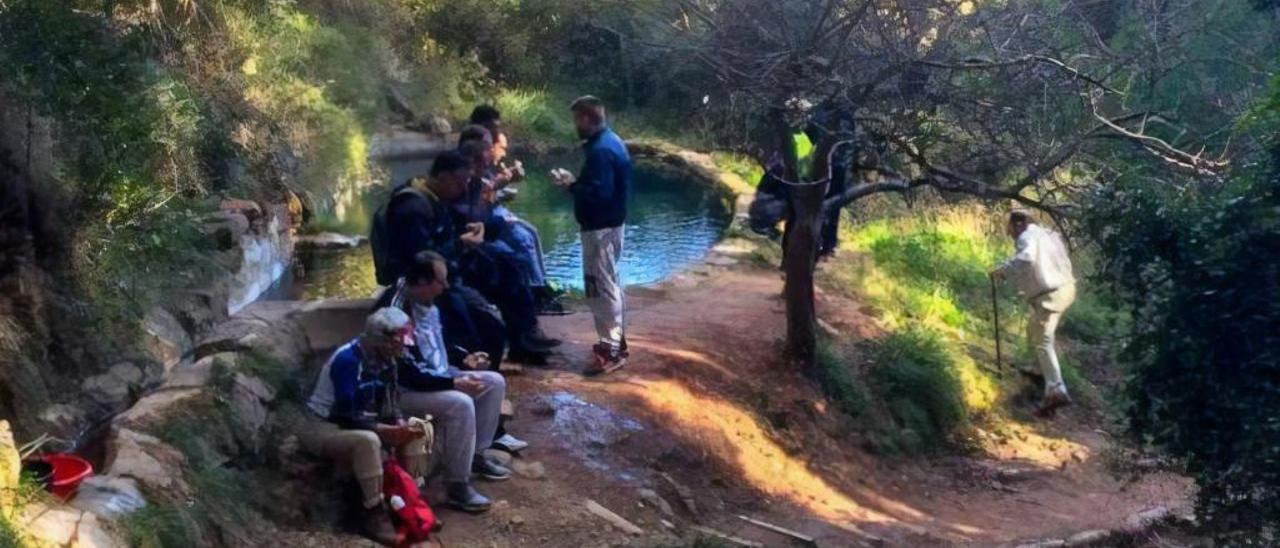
[[413, 517]]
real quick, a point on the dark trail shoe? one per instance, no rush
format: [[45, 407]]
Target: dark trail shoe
[[488, 469], [1052, 402], [377, 526], [464, 497]]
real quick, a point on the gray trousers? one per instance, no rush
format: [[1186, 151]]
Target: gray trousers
[[464, 424], [601, 250]]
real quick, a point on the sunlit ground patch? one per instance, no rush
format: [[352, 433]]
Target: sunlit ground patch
[[738, 437]]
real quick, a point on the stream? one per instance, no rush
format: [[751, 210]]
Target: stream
[[672, 223]]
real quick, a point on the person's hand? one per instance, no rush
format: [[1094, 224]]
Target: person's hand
[[517, 171], [468, 385], [476, 361], [562, 178], [474, 234]]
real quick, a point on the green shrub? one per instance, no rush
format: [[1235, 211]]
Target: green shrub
[[1198, 267], [161, 525], [918, 382], [838, 380], [739, 164], [9, 537], [536, 115]]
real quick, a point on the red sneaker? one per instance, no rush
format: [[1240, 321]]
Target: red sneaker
[[605, 359]]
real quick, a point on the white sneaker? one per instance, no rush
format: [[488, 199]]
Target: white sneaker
[[510, 444]]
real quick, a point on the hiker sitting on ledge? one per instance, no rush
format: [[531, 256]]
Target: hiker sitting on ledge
[[466, 401], [358, 417]]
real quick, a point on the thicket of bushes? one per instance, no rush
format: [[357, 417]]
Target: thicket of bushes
[[1198, 264]]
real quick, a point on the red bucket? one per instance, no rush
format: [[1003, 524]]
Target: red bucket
[[68, 471]]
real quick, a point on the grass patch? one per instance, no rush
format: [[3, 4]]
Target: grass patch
[[536, 115], [924, 274], [739, 164], [915, 377], [839, 381], [161, 525], [274, 372], [9, 537]]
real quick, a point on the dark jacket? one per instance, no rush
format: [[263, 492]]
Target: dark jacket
[[600, 193], [421, 222]]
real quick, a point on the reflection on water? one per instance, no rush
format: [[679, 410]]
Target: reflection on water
[[671, 224]]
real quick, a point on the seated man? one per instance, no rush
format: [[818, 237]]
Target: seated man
[[518, 233], [420, 218], [466, 404], [357, 416], [415, 294]]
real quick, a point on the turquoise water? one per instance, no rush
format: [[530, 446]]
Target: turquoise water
[[671, 224]]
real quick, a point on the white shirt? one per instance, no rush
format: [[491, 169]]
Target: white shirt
[[1041, 263], [428, 334]]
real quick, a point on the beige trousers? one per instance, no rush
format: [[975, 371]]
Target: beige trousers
[[1042, 327], [360, 451]]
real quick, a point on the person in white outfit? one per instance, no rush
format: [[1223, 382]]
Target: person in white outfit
[[1041, 271]]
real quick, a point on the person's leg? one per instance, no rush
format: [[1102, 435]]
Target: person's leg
[[600, 252], [524, 237], [1043, 325], [415, 458], [488, 407], [830, 232], [360, 451], [455, 414]]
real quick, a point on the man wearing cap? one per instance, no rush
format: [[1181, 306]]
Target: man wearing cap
[[1041, 270], [357, 415], [600, 206]]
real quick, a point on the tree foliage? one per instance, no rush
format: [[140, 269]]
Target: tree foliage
[[1198, 265]]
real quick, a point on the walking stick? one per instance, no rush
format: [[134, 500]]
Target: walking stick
[[995, 325]]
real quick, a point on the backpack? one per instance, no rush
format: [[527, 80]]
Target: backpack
[[387, 265], [414, 519]]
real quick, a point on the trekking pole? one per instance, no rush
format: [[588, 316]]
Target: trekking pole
[[995, 325]]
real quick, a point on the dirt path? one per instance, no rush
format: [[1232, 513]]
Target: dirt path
[[706, 403]]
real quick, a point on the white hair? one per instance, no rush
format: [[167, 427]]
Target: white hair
[[386, 323]]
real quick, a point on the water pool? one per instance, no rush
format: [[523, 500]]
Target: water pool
[[672, 222]]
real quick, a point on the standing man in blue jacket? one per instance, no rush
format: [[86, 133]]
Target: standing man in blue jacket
[[600, 206]]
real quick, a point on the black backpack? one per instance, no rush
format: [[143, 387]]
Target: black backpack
[[387, 265]]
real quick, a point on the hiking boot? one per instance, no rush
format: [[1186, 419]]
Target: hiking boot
[[605, 359], [527, 357], [553, 307], [538, 338], [488, 469], [509, 444], [377, 526], [464, 497], [1052, 402]]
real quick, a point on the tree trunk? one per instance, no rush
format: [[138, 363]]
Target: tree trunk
[[801, 256]]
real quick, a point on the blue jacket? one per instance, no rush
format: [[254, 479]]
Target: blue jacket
[[355, 392], [600, 193]]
